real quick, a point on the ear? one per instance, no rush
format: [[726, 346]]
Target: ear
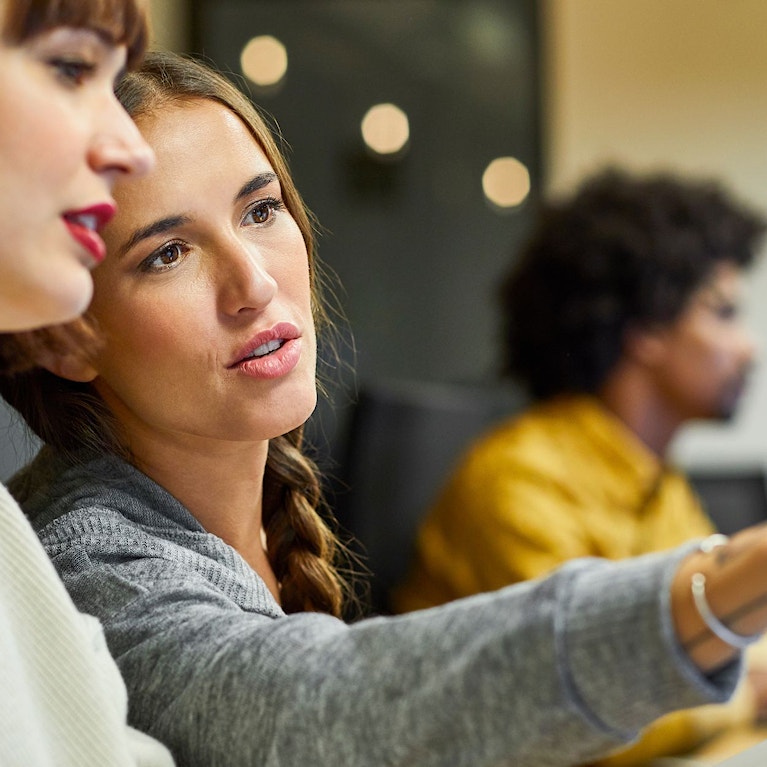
[[646, 346], [72, 367]]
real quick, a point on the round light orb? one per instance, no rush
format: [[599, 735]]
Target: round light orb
[[385, 129], [264, 60], [506, 182]]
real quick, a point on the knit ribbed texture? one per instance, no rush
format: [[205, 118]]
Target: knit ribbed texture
[[545, 674], [62, 700]]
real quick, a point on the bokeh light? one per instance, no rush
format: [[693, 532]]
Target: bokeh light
[[386, 130], [506, 182], [264, 61]]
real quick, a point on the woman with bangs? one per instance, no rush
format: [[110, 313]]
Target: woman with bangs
[[64, 141], [177, 504], [118, 22]]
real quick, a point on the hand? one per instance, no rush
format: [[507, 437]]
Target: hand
[[736, 590]]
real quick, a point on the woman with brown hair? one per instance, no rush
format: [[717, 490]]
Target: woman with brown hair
[[176, 502], [64, 141]]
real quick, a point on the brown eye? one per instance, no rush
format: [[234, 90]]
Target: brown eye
[[163, 258], [262, 212]]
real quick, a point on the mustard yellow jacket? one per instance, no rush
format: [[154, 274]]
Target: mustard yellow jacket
[[565, 479]]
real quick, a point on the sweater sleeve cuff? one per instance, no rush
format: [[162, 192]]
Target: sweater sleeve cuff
[[616, 636]]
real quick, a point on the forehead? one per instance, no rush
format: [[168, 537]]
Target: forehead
[[178, 130], [726, 279], [198, 145]]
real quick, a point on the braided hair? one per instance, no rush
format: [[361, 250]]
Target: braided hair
[[74, 420]]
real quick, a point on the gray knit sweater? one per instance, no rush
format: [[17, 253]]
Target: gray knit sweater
[[549, 672]]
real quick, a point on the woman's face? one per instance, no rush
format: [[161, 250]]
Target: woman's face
[[64, 140], [204, 298]]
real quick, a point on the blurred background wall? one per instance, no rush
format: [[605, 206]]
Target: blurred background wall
[[416, 244], [673, 84]]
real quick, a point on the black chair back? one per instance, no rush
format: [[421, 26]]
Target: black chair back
[[734, 498], [404, 439]]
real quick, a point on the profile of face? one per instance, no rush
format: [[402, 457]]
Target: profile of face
[[204, 298], [64, 140], [702, 360]]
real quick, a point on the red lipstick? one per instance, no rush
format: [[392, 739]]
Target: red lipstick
[[84, 225]]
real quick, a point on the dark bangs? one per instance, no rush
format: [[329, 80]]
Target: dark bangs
[[123, 22]]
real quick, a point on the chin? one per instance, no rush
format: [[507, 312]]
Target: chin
[[295, 411], [69, 299], [724, 412], [47, 301], [729, 407], [728, 414]]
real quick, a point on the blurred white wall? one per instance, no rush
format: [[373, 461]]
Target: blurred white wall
[[677, 84]]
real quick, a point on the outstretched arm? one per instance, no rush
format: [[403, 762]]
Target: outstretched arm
[[549, 672]]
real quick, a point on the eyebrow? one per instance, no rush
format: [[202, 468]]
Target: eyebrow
[[160, 226], [106, 36], [256, 183], [163, 225]]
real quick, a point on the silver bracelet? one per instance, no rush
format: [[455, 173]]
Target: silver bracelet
[[716, 626]]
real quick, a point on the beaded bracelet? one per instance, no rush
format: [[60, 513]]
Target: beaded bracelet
[[716, 626]]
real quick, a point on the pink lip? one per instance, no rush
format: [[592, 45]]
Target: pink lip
[[275, 364], [86, 236]]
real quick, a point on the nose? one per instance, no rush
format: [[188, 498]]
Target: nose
[[117, 147], [245, 283]]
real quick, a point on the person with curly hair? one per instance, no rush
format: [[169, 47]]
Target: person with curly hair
[[621, 319], [177, 502]]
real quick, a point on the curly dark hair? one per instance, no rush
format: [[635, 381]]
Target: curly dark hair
[[621, 252]]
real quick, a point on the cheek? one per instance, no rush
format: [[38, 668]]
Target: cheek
[[49, 144], [292, 277], [293, 255], [144, 336], [707, 347], [721, 354]]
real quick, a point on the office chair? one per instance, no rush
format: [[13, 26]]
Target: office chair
[[404, 438]]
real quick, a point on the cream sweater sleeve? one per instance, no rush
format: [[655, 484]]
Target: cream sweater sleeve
[[62, 700]]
